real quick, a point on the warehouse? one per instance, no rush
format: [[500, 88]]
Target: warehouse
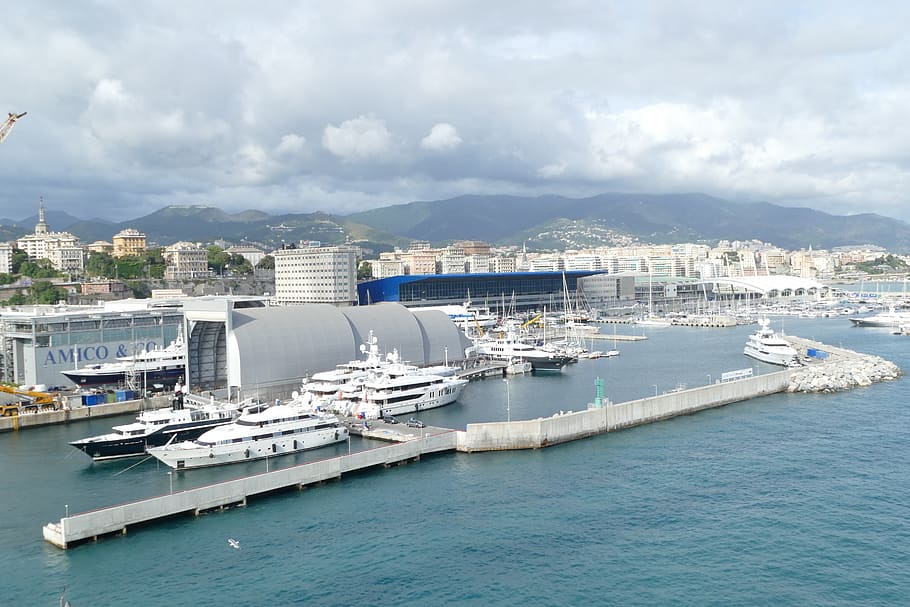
[[264, 352]]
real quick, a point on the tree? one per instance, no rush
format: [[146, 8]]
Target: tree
[[217, 258], [100, 265], [364, 271], [40, 268], [19, 257], [266, 263]]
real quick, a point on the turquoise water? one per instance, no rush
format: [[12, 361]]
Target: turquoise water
[[784, 500]]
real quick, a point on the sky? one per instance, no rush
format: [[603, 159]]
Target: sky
[[302, 106]]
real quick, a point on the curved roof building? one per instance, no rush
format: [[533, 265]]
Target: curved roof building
[[265, 351]]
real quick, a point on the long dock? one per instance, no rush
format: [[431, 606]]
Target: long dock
[[118, 519], [414, 442]]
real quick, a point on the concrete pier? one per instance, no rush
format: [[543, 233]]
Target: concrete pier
[[66, 415], [118, 519]]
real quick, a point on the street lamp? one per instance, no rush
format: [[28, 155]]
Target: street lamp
[[709, 379], [508, 402]]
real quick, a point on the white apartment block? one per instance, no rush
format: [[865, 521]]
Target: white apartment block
[[582, 261], [386, 268], [316, 275], [186, 261], [477, 264], [451, 261], [251, 254], [62, 249], [502, 264], [6, 258]]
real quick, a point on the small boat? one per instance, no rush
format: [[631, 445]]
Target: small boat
[[518, 367], [767, 346], [278, 430]]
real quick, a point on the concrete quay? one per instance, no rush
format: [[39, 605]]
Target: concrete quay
[[66, 415], [118, 519]]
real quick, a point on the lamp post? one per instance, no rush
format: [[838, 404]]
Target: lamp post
[[508, 402], [66, 508], [655, 389], [709, 379]]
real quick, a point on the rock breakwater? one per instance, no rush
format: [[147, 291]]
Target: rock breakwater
[[843, 373]]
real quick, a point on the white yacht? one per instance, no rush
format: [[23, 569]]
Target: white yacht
[[890, 319], [767, 346], [509, 347], [278, 430], [401, 389]]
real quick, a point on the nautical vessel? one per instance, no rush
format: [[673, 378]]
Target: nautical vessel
[[402, 389], [278, 430], [155, 428], [159, 365], [767, 346], [509, 347], [889, 319]]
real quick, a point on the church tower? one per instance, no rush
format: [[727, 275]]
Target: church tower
[[41, 226]]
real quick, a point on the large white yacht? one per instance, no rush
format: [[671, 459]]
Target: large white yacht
[[278, 430], [890, 319], [508, 348], [767, 346]]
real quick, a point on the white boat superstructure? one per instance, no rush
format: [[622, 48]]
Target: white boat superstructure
[[767, 346], [397, 390], [277, 430], [889, 319]]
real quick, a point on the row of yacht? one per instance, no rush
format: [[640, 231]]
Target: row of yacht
[[214, 433]]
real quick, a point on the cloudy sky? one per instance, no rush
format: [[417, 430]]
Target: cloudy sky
[[346, 105]]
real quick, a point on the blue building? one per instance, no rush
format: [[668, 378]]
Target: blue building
[[512, 290]]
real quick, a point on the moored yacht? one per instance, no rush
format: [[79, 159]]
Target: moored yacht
[[767, 346], [890, 319], [509, 347], [155, 428], [159, 365], [278, 430]]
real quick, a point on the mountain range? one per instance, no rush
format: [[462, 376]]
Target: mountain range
[[542, 222]]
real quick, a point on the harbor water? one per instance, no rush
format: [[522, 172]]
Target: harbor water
[[790, 499]]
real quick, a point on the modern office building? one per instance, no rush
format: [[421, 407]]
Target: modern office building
[[316, 275]]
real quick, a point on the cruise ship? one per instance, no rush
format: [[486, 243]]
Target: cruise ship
[[767, 346], [278, 430]]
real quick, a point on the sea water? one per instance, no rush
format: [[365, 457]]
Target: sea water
[[783, 500]]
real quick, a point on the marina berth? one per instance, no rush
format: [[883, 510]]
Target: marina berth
[[277, 430], [509, 347], [767, 346]]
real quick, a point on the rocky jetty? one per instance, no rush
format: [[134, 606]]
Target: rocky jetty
[[843, 373]]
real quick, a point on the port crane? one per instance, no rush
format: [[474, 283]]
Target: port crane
[[7, 125]]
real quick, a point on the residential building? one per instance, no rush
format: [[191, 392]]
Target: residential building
[[186, 261], [62, 249], [128, 242]]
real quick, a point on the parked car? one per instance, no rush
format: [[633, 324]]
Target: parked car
[[416, 423], [389, 419]]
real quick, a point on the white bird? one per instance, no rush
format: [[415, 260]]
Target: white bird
[[234, 543]]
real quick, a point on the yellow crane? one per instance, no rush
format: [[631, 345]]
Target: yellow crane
[[7, 125], [30, 400]]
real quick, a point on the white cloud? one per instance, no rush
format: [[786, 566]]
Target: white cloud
[[442, 138], [357, 138], [148, 103]]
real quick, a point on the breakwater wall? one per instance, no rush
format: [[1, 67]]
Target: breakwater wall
[[568, 426], [65, 415], [118, 519]]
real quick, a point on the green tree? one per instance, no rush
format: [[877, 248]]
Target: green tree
[[100, 265], [39, 268], [266, 263], [217, 259], [364, 271], [19, 257], [44, 292]]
